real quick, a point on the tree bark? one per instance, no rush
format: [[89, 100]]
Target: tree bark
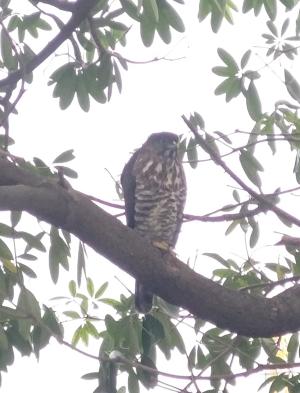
[[168, 277]]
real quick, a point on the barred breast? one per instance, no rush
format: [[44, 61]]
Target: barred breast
[[160, 198]]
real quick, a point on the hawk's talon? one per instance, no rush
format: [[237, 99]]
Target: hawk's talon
[[161, 244]]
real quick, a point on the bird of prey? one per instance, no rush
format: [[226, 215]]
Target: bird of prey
[[154, 188]]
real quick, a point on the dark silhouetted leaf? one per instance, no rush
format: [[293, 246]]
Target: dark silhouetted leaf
[[253, 102], [292, 85], [66, 156]]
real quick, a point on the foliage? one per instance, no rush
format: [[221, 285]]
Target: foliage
[[92, 68]]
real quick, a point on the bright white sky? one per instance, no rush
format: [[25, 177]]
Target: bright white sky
[[154, 97]]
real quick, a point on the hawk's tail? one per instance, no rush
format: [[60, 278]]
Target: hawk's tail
[[143, 298]]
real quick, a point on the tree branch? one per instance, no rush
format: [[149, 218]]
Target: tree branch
[[168, 277], [82, 8], [218, 161]]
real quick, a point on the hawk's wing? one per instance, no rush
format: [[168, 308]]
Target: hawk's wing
[[128, 185]]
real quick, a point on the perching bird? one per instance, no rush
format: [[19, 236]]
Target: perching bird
[[154, 190]]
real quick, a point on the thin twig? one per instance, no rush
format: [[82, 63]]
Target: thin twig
[[218, 161], [271, 284]]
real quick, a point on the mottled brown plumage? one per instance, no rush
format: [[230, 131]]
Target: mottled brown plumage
[[154, 189]]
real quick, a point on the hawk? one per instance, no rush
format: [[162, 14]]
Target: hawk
[[154, 188]]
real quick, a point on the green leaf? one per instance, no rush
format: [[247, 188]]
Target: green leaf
[[228, 60], [130, 8], [80, 263], [280, 382], [200, 358], [7, 231], [163, 29], [28, 257], [271, 8], [32, 241], [272, 28], [72, 314], [66, 156], [9, 265], [245, 58], [82, 93], [250, 167], [90, 286], [13, 23], [292, 85], [76, 336], [253, 102], [10, 61], [217, 16], [171, 16], [66, 171], [197, 120], [43, 25], [91, 329], [28, 303], [58, 253], [248, 351], [66, 85], [224, 137], [90, 376], [105, 72], [101, 290], [223, 71], [5, 252], [95, 86], [212, 143], [147, 30], [18, 341], [40, 338], [15, 217], [218, 258], [230, 86], [293, 347], [150, 10], [27, 270], [192, 153], [204, 9], [254, 235], [117, 76], [251, 75], [72, 288], [284, 27]]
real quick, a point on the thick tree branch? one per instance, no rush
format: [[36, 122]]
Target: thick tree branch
[[164, 274], [81, 11]]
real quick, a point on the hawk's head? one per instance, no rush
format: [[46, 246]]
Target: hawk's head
[[163, 143]]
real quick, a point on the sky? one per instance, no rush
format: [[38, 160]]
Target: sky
[[154, 97]]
